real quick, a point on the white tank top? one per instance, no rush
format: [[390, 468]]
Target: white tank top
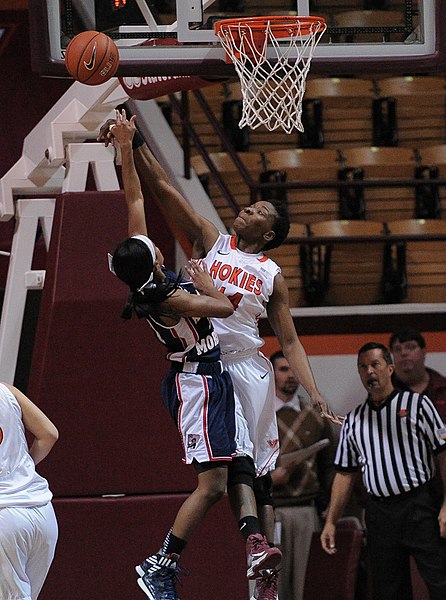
[[248, 281], [20, 485]]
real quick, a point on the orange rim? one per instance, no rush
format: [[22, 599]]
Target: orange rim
[[282, 26]]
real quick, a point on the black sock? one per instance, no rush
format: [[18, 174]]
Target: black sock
[[173, 544], [248, 526]]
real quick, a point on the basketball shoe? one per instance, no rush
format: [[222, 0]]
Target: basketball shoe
[[260, 555], [157, 576], [266, 586]]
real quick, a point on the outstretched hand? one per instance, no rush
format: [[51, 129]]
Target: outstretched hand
[[123, 129], [119, 129], [105, 134], [199, 275], [326, 412]]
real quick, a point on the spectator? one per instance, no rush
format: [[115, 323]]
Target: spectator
[[392, 438], [408, 347], [301, 486]]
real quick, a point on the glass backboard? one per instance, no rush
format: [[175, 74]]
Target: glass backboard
[[176, 37]]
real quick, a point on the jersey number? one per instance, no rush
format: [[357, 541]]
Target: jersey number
[[235, 299]]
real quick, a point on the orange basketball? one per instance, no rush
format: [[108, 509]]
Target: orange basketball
[[92, 57]]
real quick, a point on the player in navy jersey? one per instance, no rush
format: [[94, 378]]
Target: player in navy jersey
[[254, 283], [197, 391], [392, 439]]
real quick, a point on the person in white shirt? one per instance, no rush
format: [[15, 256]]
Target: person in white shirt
[[28, 525]]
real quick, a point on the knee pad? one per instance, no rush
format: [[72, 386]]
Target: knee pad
[[241, 470], [263, 490]]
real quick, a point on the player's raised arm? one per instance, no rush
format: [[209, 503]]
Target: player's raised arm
[[123, 131], [200, 232]]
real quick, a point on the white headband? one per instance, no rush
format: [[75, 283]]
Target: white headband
[[152, 249], [148, 242], [151, 246]]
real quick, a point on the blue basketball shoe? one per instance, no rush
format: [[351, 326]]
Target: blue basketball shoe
[[157, 576]]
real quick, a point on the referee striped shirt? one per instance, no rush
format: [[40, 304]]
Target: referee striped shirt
[[392, 443]]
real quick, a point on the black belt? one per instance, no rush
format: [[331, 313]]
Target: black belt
[[198, 368], [402, 496]]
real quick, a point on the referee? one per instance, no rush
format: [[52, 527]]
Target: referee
[[393, 437]]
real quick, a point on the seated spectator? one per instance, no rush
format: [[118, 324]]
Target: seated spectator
[[302, 478], [408, 348]]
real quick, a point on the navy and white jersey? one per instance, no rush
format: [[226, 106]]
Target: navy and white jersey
[[393, 444], [192, 339]]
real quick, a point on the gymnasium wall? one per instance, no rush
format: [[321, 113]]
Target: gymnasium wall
[[333, 360]]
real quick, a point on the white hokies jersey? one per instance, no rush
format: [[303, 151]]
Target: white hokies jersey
[[20, 485], [248, 281]]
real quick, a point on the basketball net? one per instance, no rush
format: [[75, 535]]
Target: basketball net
[[272, 85]]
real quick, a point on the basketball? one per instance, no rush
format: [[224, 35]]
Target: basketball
[[92, 57]]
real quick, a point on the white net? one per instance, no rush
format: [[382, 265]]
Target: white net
[[272, 86]]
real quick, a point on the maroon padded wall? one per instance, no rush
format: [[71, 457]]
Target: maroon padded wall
[[96, 376], [101, 540]]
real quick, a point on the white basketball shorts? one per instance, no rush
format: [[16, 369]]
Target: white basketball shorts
[[255, 416], [28, 537]]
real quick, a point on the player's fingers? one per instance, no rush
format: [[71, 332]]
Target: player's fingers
[[104, 130], [189, 269]]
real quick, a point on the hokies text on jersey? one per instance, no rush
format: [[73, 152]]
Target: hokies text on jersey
[[236, 276]]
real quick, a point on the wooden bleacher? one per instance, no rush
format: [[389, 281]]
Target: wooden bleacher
[[348, 131], [426, 261], [384, 203], [353, 269], [420, 108]]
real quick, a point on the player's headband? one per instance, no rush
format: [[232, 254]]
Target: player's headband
[[152, 249]]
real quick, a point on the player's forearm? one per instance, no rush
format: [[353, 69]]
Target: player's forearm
[[130, 179], [147, 164], [154, 178], [300, 365], [40, 448]]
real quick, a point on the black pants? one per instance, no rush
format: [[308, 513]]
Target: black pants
[[397, 528]]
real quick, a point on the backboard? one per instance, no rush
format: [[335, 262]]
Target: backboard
[[178, 35]]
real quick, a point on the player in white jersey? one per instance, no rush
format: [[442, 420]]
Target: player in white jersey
[[248, 280], [197, 391], [257, 228], [28, 526]]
